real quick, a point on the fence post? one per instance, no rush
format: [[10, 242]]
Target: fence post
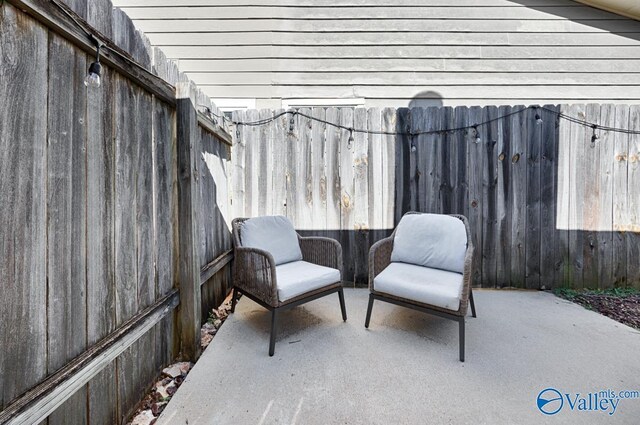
[[188, 224]]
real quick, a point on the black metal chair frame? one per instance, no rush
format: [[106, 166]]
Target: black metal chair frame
[[459, 319], [276, 310]]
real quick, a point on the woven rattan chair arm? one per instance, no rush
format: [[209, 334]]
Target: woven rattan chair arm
[[255, 272], [322, 251], [467, 270], [379, 258]]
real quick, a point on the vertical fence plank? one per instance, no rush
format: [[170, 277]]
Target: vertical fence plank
[[590, 165], [251, 134], [347, 191], [604, 226], [334, 144], [564, 213], [279, 180], [389, 170], [23, 185], [518, 196], [99, 16], [318, 177], [375, 178], [489, 181], [449, 163], [633, 202], [419, 146], [125, 210], [459, 138], [402, 163], [66, 227], [474, 157], [265, 163], [101, 290], [239, 164], [361, 195], [166, 209], [577, 162], [304, 219], [550, 261], [144, 200], [503, 191], [293, 182], [430, 164], [621, 216], [188, 143], [533, 204]]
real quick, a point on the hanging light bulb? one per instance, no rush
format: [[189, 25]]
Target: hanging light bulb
[[594, 137], [350, 141], [477, 133], [538, 117], [93, 77], [413, 148]]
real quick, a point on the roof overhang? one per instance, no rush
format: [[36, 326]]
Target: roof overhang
[[628, 8]]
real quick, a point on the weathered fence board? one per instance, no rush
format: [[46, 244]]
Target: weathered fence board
[[542, 202], [23, 190], [66, 230], [101, 297], [633, 202], [551, 261]]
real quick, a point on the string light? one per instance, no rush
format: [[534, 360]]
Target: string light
[[477, 134], [292, 123], [538, 117], [93, 77], [350, 141], [594, 137], [466, 129]]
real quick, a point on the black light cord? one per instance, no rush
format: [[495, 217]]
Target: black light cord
[[569, 118], [95, 40]]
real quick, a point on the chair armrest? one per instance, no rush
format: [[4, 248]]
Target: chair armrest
[[254, 271], [467, 278], [379, 258], [322, 251]]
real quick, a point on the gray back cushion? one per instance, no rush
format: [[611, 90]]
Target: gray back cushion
[[274, 234], [431, 240]]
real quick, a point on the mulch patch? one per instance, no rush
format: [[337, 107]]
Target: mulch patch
[[620, 305]]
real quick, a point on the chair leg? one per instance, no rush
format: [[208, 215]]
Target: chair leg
[[473, 305], [274, 326], [461, 329], [234, 299], [342, 306], [366, 323]]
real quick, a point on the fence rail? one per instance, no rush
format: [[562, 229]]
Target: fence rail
[[547, 207]]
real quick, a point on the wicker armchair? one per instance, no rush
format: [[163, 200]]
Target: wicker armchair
[[256, 273], [421, 293]]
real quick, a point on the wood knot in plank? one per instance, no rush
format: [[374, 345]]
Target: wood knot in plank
[[346, 201]]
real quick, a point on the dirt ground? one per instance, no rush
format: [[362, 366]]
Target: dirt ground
[[619, 304]]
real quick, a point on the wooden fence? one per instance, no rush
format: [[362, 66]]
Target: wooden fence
[[101, 228], [547, 207]]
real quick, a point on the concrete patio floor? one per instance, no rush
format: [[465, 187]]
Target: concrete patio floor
[[404, 369]]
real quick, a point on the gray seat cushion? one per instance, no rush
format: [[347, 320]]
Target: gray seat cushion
[[300, 277], [274, 234], [431, 240], [436, 287]]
